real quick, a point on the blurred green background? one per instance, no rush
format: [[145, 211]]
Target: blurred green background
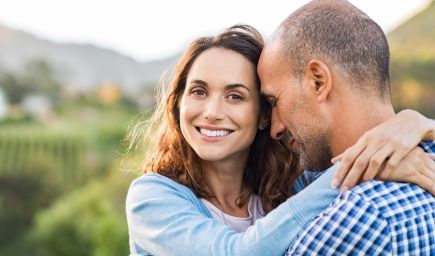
[[62, 184], [62, 188]]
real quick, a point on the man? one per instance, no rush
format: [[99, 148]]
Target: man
[[326, 72]]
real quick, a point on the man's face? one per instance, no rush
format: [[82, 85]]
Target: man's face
[[295, 114]]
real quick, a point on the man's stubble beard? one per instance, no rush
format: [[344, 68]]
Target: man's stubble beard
[[314, 149], [315, 153]]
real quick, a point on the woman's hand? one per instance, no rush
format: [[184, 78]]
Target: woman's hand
[[416, 167], [383, 148]]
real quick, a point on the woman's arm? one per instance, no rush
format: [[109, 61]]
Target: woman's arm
[[165, 218], [431, 134], [416, 167], [382, 149]]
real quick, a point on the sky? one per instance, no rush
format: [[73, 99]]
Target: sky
[[147, 30]]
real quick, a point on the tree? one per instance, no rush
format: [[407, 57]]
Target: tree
[[37, 77]]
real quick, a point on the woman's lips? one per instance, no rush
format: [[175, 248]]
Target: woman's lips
[[212, 134]]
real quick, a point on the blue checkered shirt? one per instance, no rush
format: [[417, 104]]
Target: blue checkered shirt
[[373, 218]]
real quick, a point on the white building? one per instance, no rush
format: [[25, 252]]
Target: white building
[[37, 105]]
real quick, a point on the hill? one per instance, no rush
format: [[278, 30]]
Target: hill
[[412, 47], [78, 66], [83, 67]]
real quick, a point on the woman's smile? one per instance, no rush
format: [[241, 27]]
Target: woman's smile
[[213, 132]]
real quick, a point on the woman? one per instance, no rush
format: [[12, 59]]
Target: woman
[[213, 170]]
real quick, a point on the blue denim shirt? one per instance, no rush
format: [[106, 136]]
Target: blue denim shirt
[[166, 218]]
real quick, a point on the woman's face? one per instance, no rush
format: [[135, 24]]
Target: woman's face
[[219, 109]]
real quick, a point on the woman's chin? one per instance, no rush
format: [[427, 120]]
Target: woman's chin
[[211, 157]]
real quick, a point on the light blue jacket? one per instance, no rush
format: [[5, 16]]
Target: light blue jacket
[[166, 218]]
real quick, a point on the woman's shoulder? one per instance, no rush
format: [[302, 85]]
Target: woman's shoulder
[[155, 178], [155, 193], [154, 185]]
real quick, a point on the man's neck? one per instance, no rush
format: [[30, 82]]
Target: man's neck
[[354, 120]]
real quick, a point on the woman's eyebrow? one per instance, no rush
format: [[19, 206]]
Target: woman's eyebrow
[[236, 85], [227, 87], [199, 81]]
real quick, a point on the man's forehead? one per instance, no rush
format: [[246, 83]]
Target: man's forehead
[[266, 90], [269, 89], [271, 52], [270, 70], [271, 57]]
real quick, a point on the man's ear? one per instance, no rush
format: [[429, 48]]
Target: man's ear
[[319, 77]]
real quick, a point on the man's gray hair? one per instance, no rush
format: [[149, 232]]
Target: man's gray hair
[[343, 36]]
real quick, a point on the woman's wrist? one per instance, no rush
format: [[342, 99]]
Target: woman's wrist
[[430, 134], [426, 126]]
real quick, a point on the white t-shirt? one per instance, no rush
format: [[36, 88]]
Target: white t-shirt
[[255, 210]]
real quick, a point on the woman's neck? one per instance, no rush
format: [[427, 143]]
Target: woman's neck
[[225, 181]]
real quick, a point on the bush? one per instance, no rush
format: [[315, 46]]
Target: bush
[[21, 195], [88, 221]]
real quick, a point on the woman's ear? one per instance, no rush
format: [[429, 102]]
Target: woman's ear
[[320, 79], [264, 122]]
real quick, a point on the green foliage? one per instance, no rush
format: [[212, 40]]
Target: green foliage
[[79, 141], [24, 148], [423, 70], [21, 195], [14, 87], [36, 78], [415, 38], [413, 63], [67, 152], [88, 221]]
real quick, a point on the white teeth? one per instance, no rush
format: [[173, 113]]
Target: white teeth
[[210, 133]]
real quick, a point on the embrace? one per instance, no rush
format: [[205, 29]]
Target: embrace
[[288, 147]]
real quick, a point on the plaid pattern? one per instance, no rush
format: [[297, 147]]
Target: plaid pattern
[[373, 218]]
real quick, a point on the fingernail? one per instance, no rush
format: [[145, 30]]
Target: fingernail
[[335, 183], [344, 189]]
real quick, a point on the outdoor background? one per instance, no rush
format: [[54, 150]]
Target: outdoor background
[[65, 107]]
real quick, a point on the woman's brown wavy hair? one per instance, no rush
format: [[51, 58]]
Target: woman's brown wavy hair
[[271, 168]]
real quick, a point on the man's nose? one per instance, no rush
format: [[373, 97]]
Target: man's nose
[[213, 109], [277, 128]]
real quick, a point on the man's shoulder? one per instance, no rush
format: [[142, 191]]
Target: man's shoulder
[[390, 195], [428, 146], [386, 217], [395, 201]]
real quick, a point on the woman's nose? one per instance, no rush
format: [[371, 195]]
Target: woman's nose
[[213, 109]]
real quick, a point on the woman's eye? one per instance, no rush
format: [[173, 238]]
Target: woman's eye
[[198, 92], [235, 97]]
